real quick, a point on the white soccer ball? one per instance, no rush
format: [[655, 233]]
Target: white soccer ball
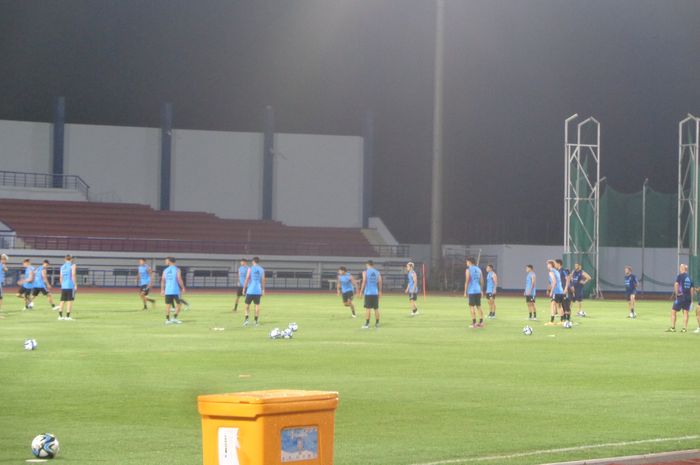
[[294, 327], [45, 446], [31, 305], [275, 333], [30, 344], [567, 324], [527, 330], [287, 333]]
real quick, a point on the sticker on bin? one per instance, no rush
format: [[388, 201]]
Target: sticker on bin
[[299, 444], [228, 446]]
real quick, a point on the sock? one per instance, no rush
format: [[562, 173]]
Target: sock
[[60, 314], [551, 320], [256, 319], [367, 322], [534, 315], [481, 320], [235, 307], [529, 315], [68, 315], [167, 317], [415, 310], [246, 317], [376, 322], [473, 321]]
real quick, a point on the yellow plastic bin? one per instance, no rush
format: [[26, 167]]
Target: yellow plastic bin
[[268, 427]]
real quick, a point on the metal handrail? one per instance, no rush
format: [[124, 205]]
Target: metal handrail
[[43, 180]]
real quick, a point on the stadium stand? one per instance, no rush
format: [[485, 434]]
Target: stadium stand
[[96, 226]]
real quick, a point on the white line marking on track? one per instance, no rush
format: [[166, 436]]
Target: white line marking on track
[[557, 451]]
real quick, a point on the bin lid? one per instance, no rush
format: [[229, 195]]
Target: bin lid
[[273, 396]]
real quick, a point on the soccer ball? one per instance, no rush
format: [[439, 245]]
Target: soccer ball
[[45, 446], [275, 333], [527, 331], [287, 333], [30, 344], [31, 305], [582, 314], [567, 324], [294, 327]]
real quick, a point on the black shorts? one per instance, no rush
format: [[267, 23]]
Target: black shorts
[[37, 290], [347, 296], [578, 294], [413, 296], [172, 299], [239, 291], [67, 295], [530, 299], [0, 293], [25, 291], [252, 299], [372, 301], [628, 294], [682, 304], [145, 289], [475, 300], [490, 295], [558, 298]]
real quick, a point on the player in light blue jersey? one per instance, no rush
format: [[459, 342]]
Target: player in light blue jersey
[[372, 291], [3, 272], [172, 287], [42, 284], [491, 289], [254, 289], [69, 285], [556, 293], [412, 287], [473, 289], [346, 287], [145, 277], [242, 273], [26, 284], [530, 292]]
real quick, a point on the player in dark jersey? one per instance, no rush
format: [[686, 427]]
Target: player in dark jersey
[[631, 290], [683, 291], [579, 278], [566, 284]]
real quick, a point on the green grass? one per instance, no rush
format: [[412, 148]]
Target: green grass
[[119, 387]]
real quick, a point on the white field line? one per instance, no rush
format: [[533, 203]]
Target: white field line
[[557, 451]]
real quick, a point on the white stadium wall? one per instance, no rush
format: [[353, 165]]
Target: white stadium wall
[[318, 180], [218, 172], [25, 146], [121, 164]]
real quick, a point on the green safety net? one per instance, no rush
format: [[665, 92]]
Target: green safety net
[[622, 217]]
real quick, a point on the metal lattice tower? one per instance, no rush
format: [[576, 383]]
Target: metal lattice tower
[[688, 176], [582, 194]]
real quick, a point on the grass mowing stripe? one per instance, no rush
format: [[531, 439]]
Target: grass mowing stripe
[[558, 451]]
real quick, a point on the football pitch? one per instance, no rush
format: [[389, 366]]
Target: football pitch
[[117, 386]]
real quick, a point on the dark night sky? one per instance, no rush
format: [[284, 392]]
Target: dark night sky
[[514, 70]]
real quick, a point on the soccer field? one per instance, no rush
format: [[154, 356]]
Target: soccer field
[[117, 386]]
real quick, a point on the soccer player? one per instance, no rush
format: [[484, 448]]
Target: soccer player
[[145, 283], [3, 271], [41, 284], [579, 278], [69, 285], [566, 285], [242, 274], [371, 289], [172, 287], [254, 289], [346, 286], [630, 290], [491, 287], [556, 293], [530, 292], [412, 287], [473, 285], [683, 291], [26, 284]]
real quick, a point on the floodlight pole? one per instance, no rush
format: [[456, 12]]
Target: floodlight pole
[[644, 226], [688, 182], [436, 204]]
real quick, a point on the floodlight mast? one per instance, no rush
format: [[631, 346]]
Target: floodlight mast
[[436, 201], [688, 183]]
